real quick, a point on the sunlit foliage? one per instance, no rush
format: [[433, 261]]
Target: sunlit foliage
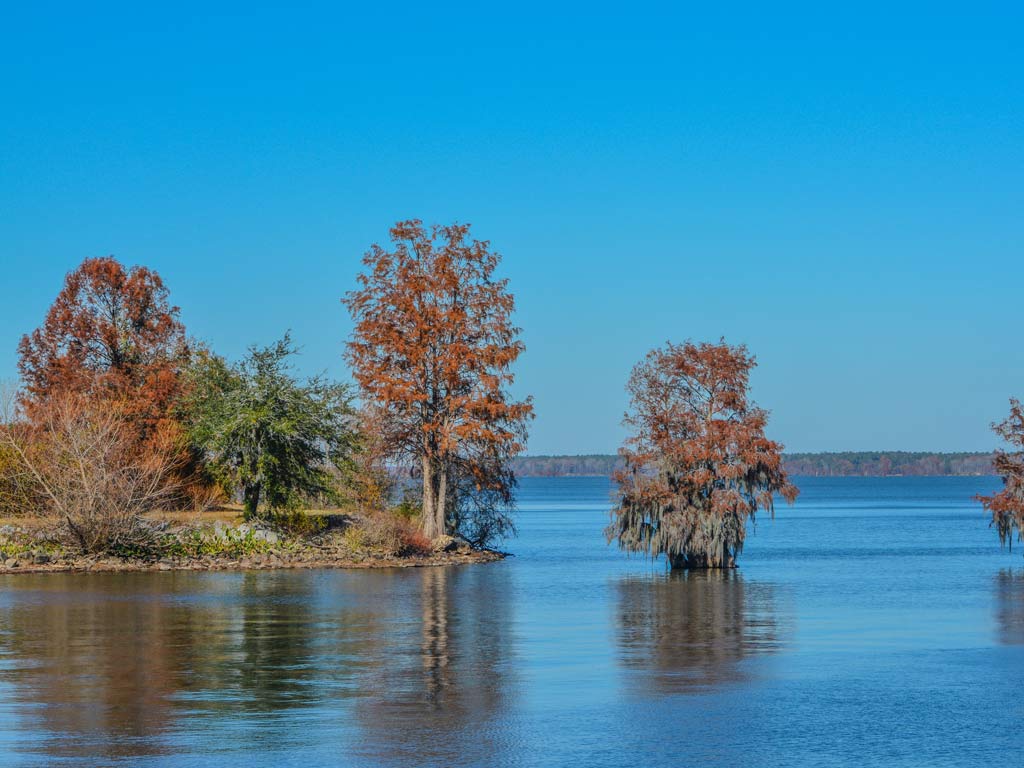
[[432, 351], [111, 332]]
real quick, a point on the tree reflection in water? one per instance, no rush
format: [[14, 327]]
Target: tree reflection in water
[[110, 664], [93, 670], [1008, 587], [447, 679], [695, 630]]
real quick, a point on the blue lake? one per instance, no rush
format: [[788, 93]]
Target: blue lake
[[876, 622]]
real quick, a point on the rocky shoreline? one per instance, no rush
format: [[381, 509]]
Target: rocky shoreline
[[230, 548], [258, 562]]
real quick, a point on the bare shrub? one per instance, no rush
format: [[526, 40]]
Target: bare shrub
[[390, 534], [86, 472], [382, 531]]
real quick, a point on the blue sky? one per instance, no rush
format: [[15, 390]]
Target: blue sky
[[841, 191]]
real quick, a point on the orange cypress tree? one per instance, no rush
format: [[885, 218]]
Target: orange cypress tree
[[432, 351], [110, 333], [1007, 506], [698, 464]]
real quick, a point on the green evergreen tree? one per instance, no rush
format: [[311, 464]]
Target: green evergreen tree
[[265, 434]]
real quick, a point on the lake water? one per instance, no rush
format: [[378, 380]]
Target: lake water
[[877, 622]]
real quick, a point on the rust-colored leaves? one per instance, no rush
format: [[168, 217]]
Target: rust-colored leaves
[[697, 464], [432, 351], [1007, 506]]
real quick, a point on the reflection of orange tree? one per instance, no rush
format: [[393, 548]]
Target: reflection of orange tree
[[94, 668], [689, 631], [446, 677], [1009, 599], [105, 663]]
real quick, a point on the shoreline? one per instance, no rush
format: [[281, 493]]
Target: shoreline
[[257, 562]]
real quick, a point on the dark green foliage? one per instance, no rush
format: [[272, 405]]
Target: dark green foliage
[[295, 522], [265, 434]]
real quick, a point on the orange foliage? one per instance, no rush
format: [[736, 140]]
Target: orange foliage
[[698, 464], [1007, 506], [432, 351], [111, 336], [415, 542], [111, 333]]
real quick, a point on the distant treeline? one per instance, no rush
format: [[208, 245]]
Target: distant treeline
[[846, 464]]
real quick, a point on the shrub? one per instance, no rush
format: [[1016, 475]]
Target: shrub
[[295, 522], [83, 468], [228, 543], [354, 538], [382, 531], [387, 533], [415, 542]]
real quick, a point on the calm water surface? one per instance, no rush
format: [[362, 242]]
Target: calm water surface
[[876, 622]]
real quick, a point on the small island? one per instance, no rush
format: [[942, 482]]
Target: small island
[[130, 445], [221, 540]]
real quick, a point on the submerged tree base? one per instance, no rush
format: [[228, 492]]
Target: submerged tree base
[[699, 563]]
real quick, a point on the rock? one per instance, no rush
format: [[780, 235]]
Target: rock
[[261, 534], [41, 558], [444, 544], [11, 563], [451, 544]]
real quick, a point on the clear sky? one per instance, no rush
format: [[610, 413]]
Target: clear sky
[[841, 190]]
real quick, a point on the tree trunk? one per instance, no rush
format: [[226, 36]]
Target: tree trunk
[[694, 562], [251, 500], [441, 505], [435, 487], [427, 507], [680, 562], [429, 520]]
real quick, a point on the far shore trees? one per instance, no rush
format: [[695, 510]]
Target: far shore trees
[[432, 352], [1007, 506], [697, 464], [265, 434]]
